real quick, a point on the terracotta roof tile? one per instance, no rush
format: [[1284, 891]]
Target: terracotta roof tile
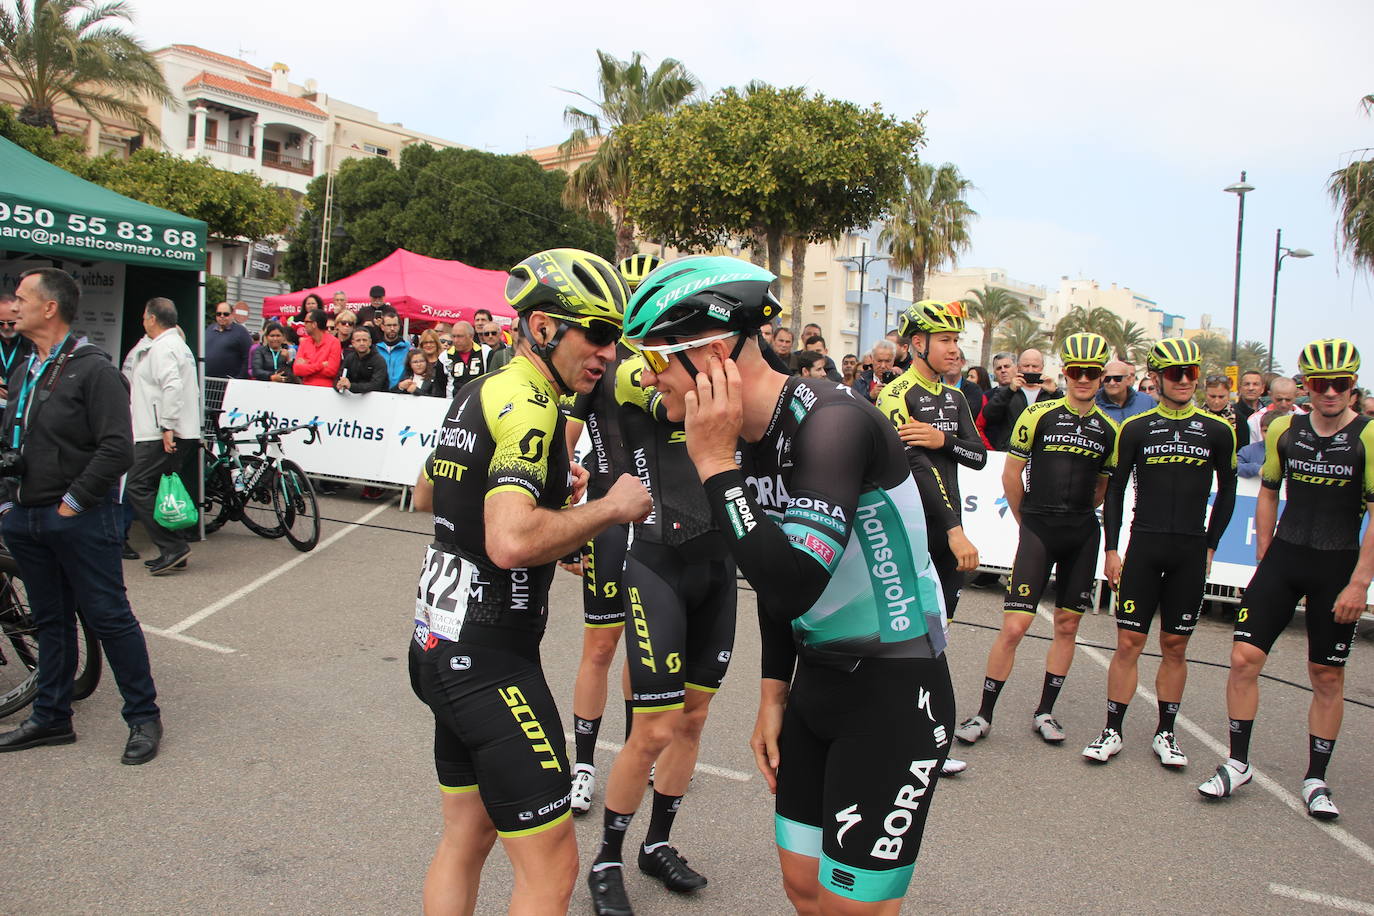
[[252, 91], [222, 58]]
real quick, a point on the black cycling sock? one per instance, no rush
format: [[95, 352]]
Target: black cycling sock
[[1167, 713], [1050, 693], [613, 827], [1318, 756], [1116, 715], [629, 718], [661, 820], [991, 689], [1240, 739], [584, 737]]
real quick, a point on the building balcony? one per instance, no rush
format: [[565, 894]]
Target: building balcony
[[288, 163], [223, 146]]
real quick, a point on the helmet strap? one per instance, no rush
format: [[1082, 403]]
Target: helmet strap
[[545, 351], [692, 370]]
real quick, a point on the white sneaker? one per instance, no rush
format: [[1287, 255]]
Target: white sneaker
[[1317, 796], [1048, 728], [972, 728], [1226, 780], [1165, 745], [953, 766], [1104, 747], [583, 785]]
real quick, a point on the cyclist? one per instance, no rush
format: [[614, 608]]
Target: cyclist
[[826, 523], [603, 608], [1068, 443], [1174, 451], [500, 478], [936, 426], [679, 584], [1316, 553]]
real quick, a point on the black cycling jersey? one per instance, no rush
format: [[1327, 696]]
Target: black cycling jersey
[[840, 557], [1174, 455], [1330, 480], [1067, 454], [597, 411], [911, 396], [503, 432]]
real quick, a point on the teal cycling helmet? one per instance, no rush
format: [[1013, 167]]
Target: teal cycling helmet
[[698, 295]]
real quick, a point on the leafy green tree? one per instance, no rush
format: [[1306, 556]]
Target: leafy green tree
[[485, 210], [629, 92], [1019, 334], [767, 164], [79, 50], [59, 149], [1352, 191], [929, 224], [993, 307]]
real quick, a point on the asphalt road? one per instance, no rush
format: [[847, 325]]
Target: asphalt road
[[296, 773]]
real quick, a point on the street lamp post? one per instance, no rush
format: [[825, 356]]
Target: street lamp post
[[1240, 189], [863, 258], [886, 290], [1279, 254]]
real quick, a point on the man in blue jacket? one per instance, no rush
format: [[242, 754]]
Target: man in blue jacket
[[1118, 398], [393, 347]]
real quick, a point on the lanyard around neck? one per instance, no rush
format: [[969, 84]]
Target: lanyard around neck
[[58, 355]]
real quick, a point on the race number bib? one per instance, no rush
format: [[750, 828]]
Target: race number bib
[[441, 597]]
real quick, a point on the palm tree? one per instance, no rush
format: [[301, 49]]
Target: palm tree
[[1018, 335], [1131, 342], [1255, 355], [629, 93], [929, 225], [1215, 351], [73, 49], [1095, 319], [1352, 191], [993, 307]]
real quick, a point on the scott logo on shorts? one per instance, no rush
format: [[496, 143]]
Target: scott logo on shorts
[[524, 715], [642, 631]]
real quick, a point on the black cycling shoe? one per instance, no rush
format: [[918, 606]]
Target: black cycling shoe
[[665, 864], [608, 892]]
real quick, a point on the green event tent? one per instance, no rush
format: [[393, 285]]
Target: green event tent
[[47, 213]]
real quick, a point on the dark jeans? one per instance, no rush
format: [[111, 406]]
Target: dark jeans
[[150, 463], [64, 561]]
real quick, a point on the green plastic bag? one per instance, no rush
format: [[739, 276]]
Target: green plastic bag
[[174, 508]]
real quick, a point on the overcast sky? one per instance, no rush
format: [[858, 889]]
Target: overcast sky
[[1099, 137]]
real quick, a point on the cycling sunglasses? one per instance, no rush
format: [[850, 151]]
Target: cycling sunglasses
[[1177, 374], [1321, 385], [657, 357], [1091, 373], [1113, 378], [598, 331]]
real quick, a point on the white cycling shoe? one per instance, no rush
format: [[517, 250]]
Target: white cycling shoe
[[953, 766], [583, 785], [1166, 748], [1048, 728], [972, 728], [1317, 796], [1105, 746], [1226, 780]]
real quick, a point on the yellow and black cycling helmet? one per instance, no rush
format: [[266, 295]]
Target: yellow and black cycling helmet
[[932, 317], [567, 281], [1173, 351], [1085, 349], [636, 267], [1332, 356]]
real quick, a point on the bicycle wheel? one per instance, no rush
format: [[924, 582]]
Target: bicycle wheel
[[88, 660], [296, 506], [259, 511], [217, 507], [18, 648]]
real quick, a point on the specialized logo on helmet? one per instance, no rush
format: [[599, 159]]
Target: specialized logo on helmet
[[682, 291]]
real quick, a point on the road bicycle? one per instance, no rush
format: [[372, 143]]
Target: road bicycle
[[19, 646], [269, 493]]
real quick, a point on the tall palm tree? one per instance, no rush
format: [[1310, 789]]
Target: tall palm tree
[[1019, 334], [1131, 342], [929, 225], [1255, 355], [629, 92], [1352, 191], [993, 307], [1097, 320], [77, 50], [1215, 351]]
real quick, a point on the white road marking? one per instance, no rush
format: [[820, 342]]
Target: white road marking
[[262, 580], [1344, 837], [189, 640], [1331, 900], [722, 772]]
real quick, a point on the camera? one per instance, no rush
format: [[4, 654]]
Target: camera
[[11, 463], [1031, 378]]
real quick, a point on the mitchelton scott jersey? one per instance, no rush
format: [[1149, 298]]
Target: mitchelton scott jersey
[[503, 433], [1330, 480], [825, 521], [1068, 453], [597, 411]]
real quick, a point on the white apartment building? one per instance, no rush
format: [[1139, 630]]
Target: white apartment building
[[1123, 301]]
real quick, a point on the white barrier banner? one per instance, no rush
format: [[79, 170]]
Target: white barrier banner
[[374, 436]]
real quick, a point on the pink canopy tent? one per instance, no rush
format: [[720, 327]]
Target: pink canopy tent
[[422, 289]]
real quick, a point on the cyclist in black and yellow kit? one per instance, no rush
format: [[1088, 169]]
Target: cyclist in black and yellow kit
[[1326, 459], [498, 482], [826, 523], [1174, 451], [1068, 443], [937, 429], [603, 606]]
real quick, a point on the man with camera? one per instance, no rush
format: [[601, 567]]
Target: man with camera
[[67, 437], [871, 381], [1005, 405]]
